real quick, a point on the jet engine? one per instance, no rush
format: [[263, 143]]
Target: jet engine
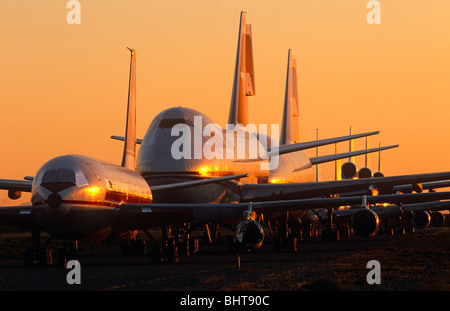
[[365, 172], [14, 195], [365, 223], [348, 170], [437, 219], [421, 219], [250, 233]]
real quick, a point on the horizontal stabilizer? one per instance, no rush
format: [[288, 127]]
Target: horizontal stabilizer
[[121, 138], [16, 185], [333, 157], [316, 143]]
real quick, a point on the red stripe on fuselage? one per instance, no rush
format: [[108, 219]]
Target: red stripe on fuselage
[[98, 203], [113, 199]]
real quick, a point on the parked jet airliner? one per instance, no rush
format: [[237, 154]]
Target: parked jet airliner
[[158, 165], [76, 197]]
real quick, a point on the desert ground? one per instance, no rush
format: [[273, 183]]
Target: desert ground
[[415, 261]]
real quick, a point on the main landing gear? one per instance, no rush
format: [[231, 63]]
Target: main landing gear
[[287, 236], [43, 255], [175, 242]]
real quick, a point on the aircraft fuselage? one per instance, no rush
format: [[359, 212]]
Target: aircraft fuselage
[[157, 163], [71, 194]]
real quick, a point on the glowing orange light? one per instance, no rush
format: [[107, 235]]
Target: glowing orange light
[[203, 170], [277, 180], [93, 190]]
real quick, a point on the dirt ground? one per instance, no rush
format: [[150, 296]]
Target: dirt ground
[[418, 261]]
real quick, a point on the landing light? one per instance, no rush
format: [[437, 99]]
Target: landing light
[[93, 190], [203, 170], [277, 180]]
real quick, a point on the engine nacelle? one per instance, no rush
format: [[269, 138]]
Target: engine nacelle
[[365, 172], [348, 170], [437, 219], [365, 223], [250, 233], [14, 195], [421, 219]]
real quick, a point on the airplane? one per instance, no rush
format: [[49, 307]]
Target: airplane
[[366, 221], [157, 165], [76, 197]]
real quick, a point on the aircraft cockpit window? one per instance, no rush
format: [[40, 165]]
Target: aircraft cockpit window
[[59, 179], [169, 123]]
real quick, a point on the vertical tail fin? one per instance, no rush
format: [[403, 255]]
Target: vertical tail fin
[[244, 75], [289, 127], [129, 150]]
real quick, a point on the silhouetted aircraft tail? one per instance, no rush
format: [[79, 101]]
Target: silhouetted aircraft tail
[[289, 126], [244, 75], [129, 150]]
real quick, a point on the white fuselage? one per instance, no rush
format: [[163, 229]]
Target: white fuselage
[[157, 164], [67, 189]]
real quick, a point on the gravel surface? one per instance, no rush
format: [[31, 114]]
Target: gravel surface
[[419, 261]]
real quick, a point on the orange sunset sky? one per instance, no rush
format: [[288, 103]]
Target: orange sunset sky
[[63, 88]]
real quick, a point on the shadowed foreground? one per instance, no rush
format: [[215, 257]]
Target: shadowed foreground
[[418, 261]]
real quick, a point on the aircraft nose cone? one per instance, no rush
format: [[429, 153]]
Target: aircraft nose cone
[[54, 200]]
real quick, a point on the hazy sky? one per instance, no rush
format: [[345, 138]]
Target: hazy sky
[[63, 87]]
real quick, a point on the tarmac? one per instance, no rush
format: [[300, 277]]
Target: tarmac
[[417, 261]]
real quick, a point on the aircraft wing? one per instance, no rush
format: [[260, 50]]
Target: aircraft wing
[[429, 206], [134, 216], [431, 186], [334, 157], [291, 191], [25, 185], [19, 216], [409, 188], [15, 185], [137, 216], [394, 210], [315, 143]]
